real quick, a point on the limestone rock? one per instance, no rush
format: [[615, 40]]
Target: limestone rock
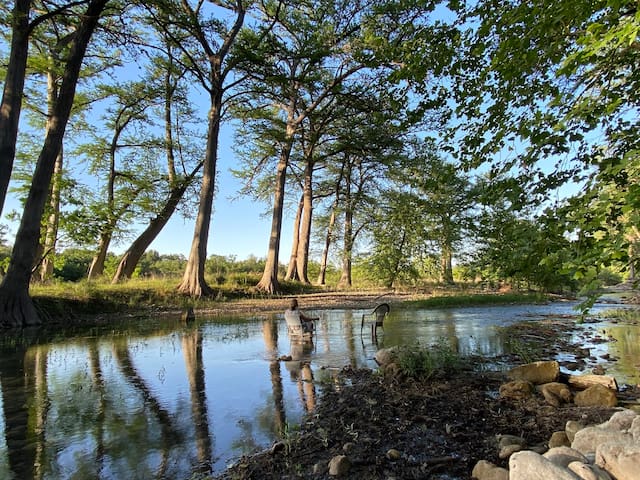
[[571, 427], [484, 470], [559, 439], [596, 395], [537, 372], [528, 465], [622, 420], [385, 356], [339, 465], [563, 456], [621, 460], [588, 472], [516, 390], [587, 440], [555, 393]]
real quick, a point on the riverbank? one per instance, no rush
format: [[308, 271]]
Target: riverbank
[[391, 426]]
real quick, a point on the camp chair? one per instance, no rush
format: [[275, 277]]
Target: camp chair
[[294, 326], [379, 314]]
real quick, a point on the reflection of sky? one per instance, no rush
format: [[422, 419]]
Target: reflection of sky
[[247, 389]]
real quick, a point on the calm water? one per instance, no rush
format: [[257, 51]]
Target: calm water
[[177, 399]]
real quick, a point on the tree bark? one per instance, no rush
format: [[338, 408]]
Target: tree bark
[[16, 306], [269, 281], [292, 269], [12, 92], [322, 275], [132, 256], [345, 276], [305, 228]]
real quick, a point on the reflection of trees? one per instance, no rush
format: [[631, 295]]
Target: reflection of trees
[[169, 433], [192, 352], [307, 388], [279, 414], [98, 384], [36, 364]]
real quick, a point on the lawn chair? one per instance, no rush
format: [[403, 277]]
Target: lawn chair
[[294, 326], [377, 319]]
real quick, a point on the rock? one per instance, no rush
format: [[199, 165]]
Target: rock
[[348, 447], [571, 427], [504, 440], [536, 373], [516, 390], [393, 454], [621, 460], [508, 450], [620, 421], [528, 465], [555, 393], [385, 356], [596, 395], [559, 439], [588, 472], [587, 440], [339, 465], [484, 470], [563, 456], [635, 429]]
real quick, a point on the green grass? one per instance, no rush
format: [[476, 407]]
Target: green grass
[[457, 300], [435, 361]]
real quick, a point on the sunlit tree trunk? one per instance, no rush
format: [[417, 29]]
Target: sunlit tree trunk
[[305, 227], [347, 248], [12, 92], [193, 280], [292, 269], [324, 259], [16, 306], [269, 281], [51, 228]]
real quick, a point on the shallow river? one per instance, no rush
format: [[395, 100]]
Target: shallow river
[[174, 399]]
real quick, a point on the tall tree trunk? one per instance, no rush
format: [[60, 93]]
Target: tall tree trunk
[[345, 277], [51, 228], [96, 269], [269, 281], [193, 281], [305, 229], [12, 92], [292, 269], [322, 276], [446, 270], [131, 257], [16, 306]]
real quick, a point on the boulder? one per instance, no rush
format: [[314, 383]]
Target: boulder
[[516, 390], [620, 459], [571, 427], [339, 465], [622, 420], [484, 470], [595, 396], [385, 356], [528, 465], [555, 393], [559, 439], [537, 373], [587, 440], [563, 456], [588, 472]]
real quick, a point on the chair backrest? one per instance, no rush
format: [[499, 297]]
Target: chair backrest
[[381, 311]]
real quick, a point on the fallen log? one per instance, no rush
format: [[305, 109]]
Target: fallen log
[[585, 381]]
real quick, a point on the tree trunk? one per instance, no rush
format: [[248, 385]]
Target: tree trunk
[[305, 230], [345, 277], [12, 93], [446, 268], [193, 281], [269, 281], [51, 229], [16, 307], [132, 256], [96, 269], [327, 243], [292, 270]]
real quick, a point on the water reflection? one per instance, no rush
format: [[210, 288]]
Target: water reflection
[[181, 399]]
